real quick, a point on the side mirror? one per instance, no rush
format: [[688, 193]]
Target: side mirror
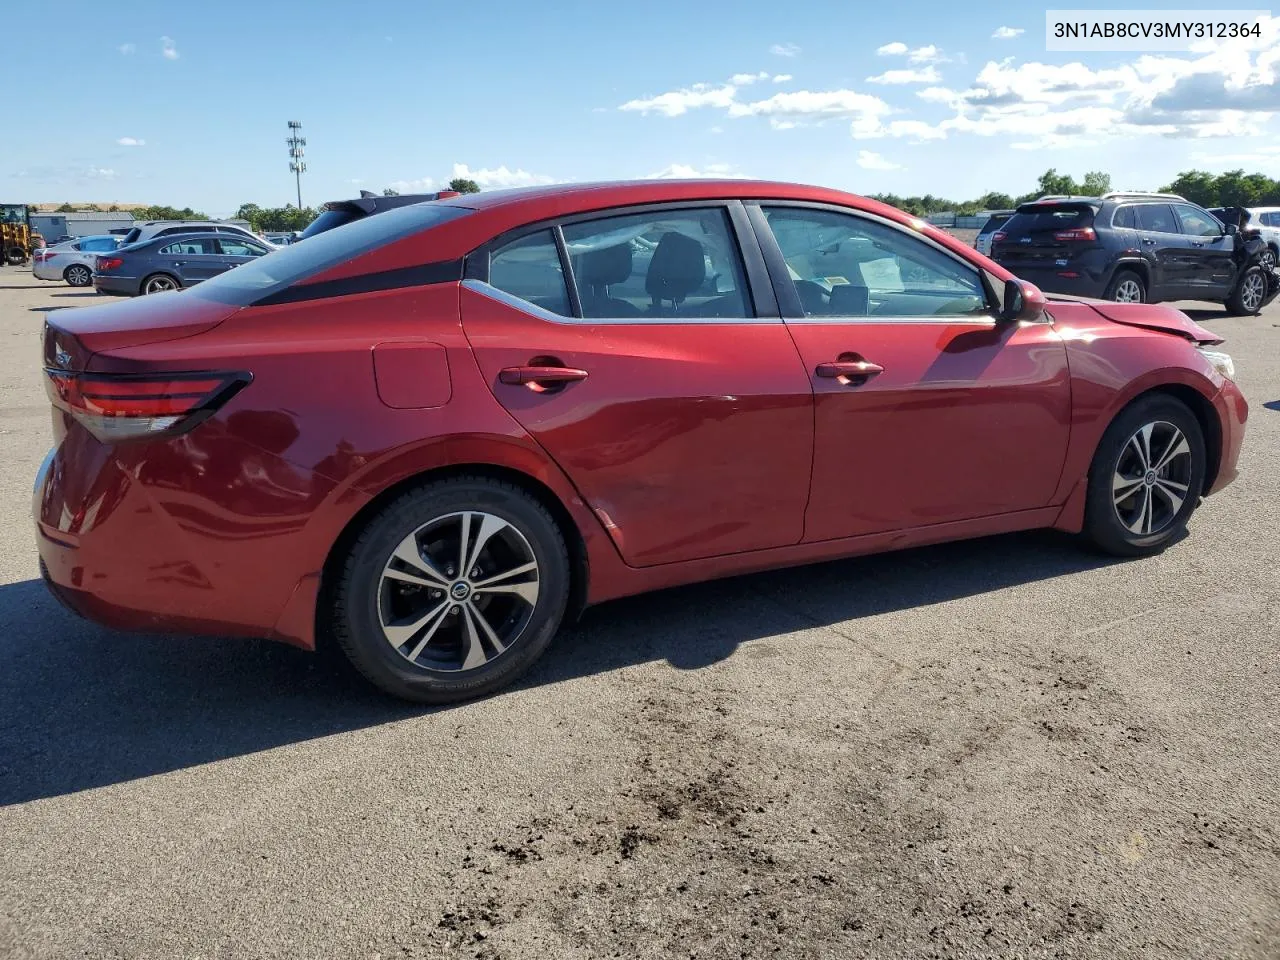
[[1231, 229], [1023, 302]]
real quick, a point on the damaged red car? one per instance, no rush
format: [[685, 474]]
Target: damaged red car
[[435, 434]]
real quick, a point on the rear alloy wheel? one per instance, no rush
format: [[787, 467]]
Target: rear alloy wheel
[[1146, 478], [1267, 259], [1246, 298], [1127, 287], [159, 283], [453, 591], [78, 275]]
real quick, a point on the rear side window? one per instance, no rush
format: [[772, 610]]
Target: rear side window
[[95, 244], [1156, 217], [1046, 217], [191, 246], [1125, 219], [286, 266], [529, 268]]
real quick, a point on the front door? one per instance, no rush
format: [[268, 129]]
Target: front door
[[1212, 264], [926, 410], [683, 418], [192, 259], [237, 250]]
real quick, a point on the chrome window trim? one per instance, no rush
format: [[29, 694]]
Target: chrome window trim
[[538, 313]]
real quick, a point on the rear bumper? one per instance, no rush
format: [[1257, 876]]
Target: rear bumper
[[43, 271], [1050, 280], [117, 286]]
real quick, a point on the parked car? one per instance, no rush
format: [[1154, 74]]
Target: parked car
[[72, 260], [150, 229], [982, 243], [339, 212], [172, 262], [1127, 247], [421, 435], [1265, 220], [280, 239]]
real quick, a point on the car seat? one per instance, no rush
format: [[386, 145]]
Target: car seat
[[677, 269], [595, 271]]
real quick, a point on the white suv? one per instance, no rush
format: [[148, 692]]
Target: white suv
[[150, 229]]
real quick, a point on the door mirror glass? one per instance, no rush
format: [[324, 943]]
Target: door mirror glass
[[1231, 229]]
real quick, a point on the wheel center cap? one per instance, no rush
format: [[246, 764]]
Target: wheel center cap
[[460, 591], [1150, 478]]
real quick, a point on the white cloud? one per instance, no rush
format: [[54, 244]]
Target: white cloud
[[927, 75], [782, 78], [131, 142], [716, 130], [356, 180], [927, 54], [784, 49], [742, 79], [683, 171], [787, 109], [676, 102], [1007, 33], [895, 49], [870, 160], [100, 173], [421, 185], [499, 177], [168, 49], [128, 48]]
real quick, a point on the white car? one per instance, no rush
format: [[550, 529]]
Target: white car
[[72, 260], [1267, 221]]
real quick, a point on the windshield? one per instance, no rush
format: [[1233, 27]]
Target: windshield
[[287, 265], [330, 219]]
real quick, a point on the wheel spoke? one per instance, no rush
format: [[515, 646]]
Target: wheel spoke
[[1177, 447], [1171, 494], [489, 581], [527, 591], [1123, 487], [1142, 440], [476, 657], [401, 633], [475, 613], [488, 527], [409, 554], [1141, 523]]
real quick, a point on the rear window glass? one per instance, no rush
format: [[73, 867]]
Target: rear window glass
[[287, 265], [993, 224], [1050, 217], [331, 219]]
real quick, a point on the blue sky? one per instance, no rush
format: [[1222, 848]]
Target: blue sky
[[187, 103]]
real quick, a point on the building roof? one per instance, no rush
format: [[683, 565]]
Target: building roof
[[87, 215]]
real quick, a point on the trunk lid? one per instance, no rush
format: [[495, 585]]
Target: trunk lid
[[72, 337], [1156, 316]]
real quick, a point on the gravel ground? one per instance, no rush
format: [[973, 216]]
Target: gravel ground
[[1003, 748]]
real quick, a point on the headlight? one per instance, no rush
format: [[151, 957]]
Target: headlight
[[1220, 361]]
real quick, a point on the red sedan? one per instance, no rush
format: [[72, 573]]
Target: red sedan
[[435, 433]]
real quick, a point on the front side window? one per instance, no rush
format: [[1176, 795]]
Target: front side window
[[845, 265], [1271, 219], [1156, 217], [667, 264], [529, 269], [191, 246], [235, 247], [1195, 222]]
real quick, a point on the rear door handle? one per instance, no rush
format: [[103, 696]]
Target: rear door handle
[[535, 377], [848, 369], [1149, 241]]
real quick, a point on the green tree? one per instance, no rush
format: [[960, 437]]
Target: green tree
[[92, 208], [1054, 183], [995, 201], [1197, 186], [113, 209], [389, 192], [1095, 183], [65, 208], [463, 185]]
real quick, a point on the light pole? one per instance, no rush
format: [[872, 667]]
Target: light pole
[[296, 144]]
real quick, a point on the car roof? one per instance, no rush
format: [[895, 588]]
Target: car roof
[[613, 193]]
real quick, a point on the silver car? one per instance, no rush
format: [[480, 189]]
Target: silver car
[[72, 260], [1267, 222]]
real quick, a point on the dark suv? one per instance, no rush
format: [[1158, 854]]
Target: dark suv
[[1128, 247], [340, 212]]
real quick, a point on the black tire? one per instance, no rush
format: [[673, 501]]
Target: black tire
[[359, 596], [1116, 459], [78, 275], [1120, 281], [1269, 257], [148, 282], [1246, 298], [15, 256]]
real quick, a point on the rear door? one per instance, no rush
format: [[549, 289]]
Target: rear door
[[663, 384], [1166, 250], [955, 417], [191, 259], [1210, 257]]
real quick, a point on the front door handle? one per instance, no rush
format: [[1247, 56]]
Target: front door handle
[[538, 378], [1148, 240], [848, 371]]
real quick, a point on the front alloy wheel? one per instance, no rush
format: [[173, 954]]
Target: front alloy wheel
[[1151, 478]]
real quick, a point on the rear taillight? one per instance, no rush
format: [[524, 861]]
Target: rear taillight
[[997, 236], [1075, 233], [103, 264], [116, 407], [42, 255]]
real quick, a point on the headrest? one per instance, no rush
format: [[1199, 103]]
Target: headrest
[[609, 265], [677, 269]]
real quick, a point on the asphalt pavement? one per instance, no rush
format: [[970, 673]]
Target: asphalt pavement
[[1005, 748]]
